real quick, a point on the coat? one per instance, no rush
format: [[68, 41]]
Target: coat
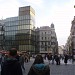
[[66, 58], [39, 69], [11, 67]]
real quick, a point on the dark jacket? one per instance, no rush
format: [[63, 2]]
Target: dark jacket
[[39, 69], [21, 60], [49, 57], [57, 58], [66, 58], [11, 67]]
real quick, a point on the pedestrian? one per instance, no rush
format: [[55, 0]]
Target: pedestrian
[[57, 59], [11, 66], [2, 59], [39, 67], [16, 56], [21, 60], [66, 59], [49, 57], [52, 59]]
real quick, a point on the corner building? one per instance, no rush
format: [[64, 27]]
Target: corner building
[[20, 30], [48, 40]]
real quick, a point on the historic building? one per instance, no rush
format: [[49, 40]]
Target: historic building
[[72, 35], [47, 39], [70, 44], [54, 42]]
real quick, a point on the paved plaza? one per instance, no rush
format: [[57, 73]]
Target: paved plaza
[[61, 69]]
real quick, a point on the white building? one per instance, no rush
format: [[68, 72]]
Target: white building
[[47, 39]]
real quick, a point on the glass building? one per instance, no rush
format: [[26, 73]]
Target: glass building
[[20, 30], [1, 36]]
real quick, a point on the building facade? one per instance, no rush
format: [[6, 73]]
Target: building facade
[[26, 33], [70, 44], [54, 42], [20, 30], [72, 34], [48, 40], [2, 39], [45, 39]]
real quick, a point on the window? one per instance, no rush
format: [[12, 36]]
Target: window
[[48, 43], [45, 43], [42, 43], [45, 32], [48, 37], [45, 38], [42, 38], [52, 43]]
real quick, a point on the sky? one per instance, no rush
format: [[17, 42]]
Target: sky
[[58, 12]]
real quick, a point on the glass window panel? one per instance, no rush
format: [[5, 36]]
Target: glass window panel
[[23, 21], [11, 33], [13, 37], [20, 17], [19, 22], [26, 22], [7, 33], [26, 16]]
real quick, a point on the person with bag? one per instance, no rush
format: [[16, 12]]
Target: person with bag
[[39, 67]]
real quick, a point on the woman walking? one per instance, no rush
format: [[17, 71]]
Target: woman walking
[[39, 67]]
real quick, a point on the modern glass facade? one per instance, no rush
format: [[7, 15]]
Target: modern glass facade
[[1, 37], [20, 31], [11, 29]]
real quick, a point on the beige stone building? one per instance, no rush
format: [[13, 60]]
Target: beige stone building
[[48, 40], [70, 44]]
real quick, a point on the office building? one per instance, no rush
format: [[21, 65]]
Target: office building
[[20, 30]]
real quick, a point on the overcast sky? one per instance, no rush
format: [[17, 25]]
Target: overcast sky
[[59, 12]]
